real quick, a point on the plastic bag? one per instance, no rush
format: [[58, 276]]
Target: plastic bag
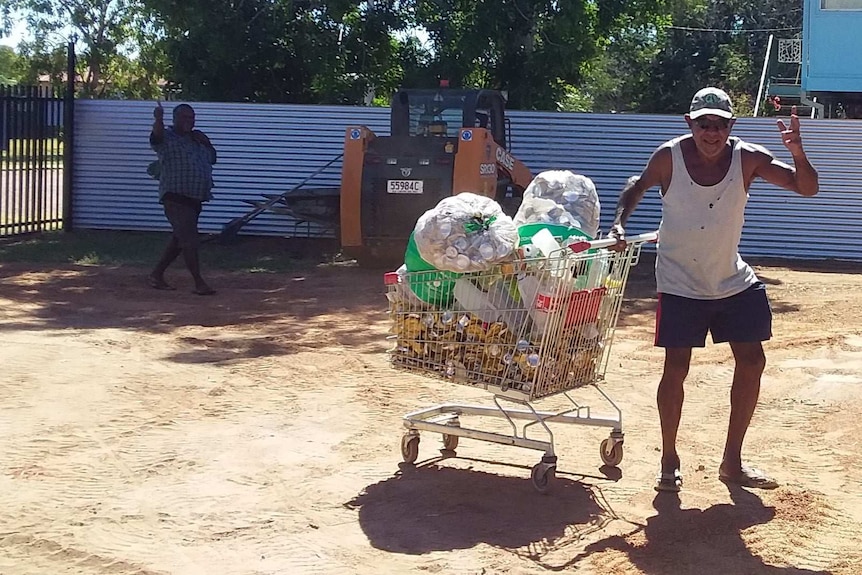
[[561, 197], [536, 210], [154, 169], [432, 286], [497, 303], [466, 233]]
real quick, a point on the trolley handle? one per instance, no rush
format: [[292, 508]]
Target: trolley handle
[[582, 246]]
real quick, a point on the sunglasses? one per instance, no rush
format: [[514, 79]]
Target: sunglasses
[[705, 124]]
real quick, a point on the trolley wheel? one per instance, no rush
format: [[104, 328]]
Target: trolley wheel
[[542, 475], [410, 448], [611, 456], [450, 442]]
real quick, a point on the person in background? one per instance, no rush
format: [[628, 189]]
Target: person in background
[[703, 284], [186, 157]]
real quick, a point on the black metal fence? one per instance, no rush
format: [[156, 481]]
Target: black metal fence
[[31, 160]]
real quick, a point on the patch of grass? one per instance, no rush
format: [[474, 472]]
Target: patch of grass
[[142, 249], [22, 151]]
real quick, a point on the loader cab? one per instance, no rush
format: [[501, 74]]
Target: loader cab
[[389, 181], [443, 112]]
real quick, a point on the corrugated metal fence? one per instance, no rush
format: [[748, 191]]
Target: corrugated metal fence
[[267, 149]]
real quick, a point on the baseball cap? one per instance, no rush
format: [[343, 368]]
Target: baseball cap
[[711, 101]]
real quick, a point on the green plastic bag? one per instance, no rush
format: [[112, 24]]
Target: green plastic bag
[[429, 284], [527, 231]]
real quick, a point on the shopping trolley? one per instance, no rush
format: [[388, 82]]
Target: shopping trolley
[[524, 331]]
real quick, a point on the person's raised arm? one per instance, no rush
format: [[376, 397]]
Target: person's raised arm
[[158, 133], [801, 177]]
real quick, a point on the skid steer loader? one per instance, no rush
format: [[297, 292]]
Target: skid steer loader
[[442, 142]]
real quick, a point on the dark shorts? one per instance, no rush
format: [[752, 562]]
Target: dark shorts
[[183, 217], [684, 322]]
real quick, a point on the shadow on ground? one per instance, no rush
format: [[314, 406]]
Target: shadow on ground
[[433, 508], [313, 305], [266, 314], [697, 541]]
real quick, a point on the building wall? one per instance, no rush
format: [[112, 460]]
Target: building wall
[[270, 148], [832, 50]]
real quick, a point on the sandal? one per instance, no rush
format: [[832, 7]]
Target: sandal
[[158, 283], [669, 481], [749, 477]]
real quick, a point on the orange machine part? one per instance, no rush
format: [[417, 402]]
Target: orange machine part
[[356, 140], [475, 167], [479, 161], [520, 174]]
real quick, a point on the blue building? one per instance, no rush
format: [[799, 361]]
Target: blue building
[[823, 69], [832, 56]]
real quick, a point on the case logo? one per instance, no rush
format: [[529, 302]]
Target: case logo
[[505, 159]]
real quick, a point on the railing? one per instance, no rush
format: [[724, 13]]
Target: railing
[[31, 160]]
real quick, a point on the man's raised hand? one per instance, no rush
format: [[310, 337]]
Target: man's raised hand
[[791, 137]]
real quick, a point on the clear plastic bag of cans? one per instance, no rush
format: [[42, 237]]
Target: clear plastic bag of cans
[[561, 197], [466, 233]]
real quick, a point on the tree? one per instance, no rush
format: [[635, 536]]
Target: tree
[[534, 49], [304, 51], [39, 63], [616, 79], [10, 66], [104, 29], [716, 42]]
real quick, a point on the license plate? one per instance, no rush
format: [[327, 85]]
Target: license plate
[[404, 186]]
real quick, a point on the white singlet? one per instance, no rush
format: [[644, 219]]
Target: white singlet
[[698, 252]]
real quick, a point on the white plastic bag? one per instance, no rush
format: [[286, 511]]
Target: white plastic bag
[[494, 304], [465, 233], [561, 197], [543, 300]]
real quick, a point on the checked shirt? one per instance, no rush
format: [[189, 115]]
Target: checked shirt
[[186, 166]]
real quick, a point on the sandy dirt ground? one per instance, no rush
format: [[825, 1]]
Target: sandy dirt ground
[[257, 431]]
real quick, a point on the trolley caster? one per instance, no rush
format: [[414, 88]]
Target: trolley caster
[[450, 442], [410, 447], [543, 474], [611, 451]]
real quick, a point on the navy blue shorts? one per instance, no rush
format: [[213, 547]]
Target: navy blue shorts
[[684, 322]]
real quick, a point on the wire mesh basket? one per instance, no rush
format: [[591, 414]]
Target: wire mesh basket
[[528, 329]]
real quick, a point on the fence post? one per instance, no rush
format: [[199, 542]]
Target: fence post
[[69, 137], [6, 181]]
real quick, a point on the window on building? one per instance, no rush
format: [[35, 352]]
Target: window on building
[[841, 4]]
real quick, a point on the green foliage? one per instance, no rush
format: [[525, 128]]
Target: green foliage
[[48, 150], [531, 48], [717, 42], [575, 55], [278, 50], [575, 100], [107, 35], [11, 66], [141, 249], [616, 79]]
